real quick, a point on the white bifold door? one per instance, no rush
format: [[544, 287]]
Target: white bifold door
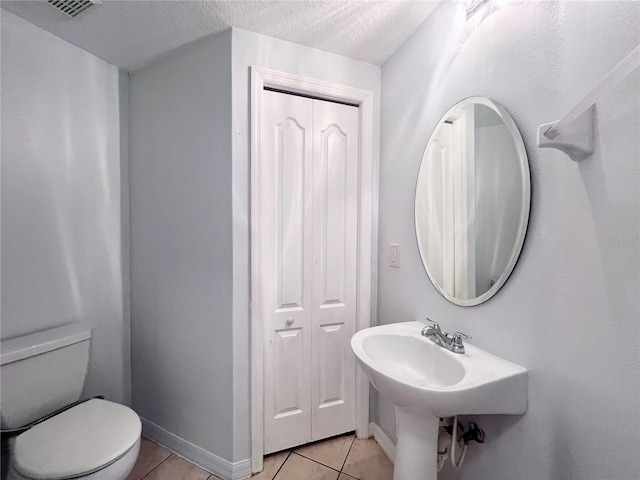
[[307, 267]]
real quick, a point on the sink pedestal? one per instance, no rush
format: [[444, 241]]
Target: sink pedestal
[[417, 448]]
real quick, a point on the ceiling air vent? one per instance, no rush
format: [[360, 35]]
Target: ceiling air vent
[[72, 8]]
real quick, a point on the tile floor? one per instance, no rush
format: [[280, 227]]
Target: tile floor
[[339, 458]]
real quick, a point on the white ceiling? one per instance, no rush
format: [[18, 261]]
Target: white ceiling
[[131, 33]]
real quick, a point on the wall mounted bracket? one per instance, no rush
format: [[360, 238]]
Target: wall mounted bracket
[[576, 140]]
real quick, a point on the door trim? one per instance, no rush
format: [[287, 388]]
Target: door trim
[[367, 228]]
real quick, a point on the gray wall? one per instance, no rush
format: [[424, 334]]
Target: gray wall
[[61, 244], [181, 243], [569, 313], [262, 51]]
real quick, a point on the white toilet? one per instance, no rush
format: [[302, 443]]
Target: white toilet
[[44, 372]]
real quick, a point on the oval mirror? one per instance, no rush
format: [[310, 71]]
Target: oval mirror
[[472, 201]]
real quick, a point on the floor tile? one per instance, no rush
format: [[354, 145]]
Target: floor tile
[[332, 452], [151, 455], [271, 465], [344, 476], [367, 461], [176, 468], [297, 468]]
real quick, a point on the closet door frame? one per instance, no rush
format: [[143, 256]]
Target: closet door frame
[[262, 78]]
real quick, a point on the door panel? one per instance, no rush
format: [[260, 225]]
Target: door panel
[[335, 222], [285, 271], [288, 396], [332, 213], [290, 165]]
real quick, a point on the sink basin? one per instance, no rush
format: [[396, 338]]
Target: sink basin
[[412, 363], [418, 374], [426, 381]]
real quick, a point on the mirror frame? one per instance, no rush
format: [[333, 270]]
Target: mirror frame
[[525, 205]]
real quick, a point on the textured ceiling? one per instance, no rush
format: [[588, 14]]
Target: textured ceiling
[[130, 34]]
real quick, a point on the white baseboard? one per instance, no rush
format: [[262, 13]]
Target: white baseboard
[[383, 440], [199, 456]]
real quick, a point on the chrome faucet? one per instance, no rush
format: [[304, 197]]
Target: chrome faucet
[[450, 342]]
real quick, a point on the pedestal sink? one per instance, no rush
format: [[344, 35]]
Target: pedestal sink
[[426, 381]]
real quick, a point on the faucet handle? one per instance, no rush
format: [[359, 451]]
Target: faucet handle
[[435, 328], [456, 341], [458, 336], [436, 325]]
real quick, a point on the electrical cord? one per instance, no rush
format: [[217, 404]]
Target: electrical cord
[[454, 443]]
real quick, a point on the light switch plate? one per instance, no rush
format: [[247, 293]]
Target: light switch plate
[[394, 252]]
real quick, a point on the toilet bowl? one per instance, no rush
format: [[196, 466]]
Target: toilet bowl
[[95, 439]]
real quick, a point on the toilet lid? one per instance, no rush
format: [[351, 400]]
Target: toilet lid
[[76, 442]]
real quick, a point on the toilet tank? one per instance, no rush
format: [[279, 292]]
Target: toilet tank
[[42, 372]]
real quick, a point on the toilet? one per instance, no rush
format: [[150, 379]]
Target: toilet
[[42, 373]]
